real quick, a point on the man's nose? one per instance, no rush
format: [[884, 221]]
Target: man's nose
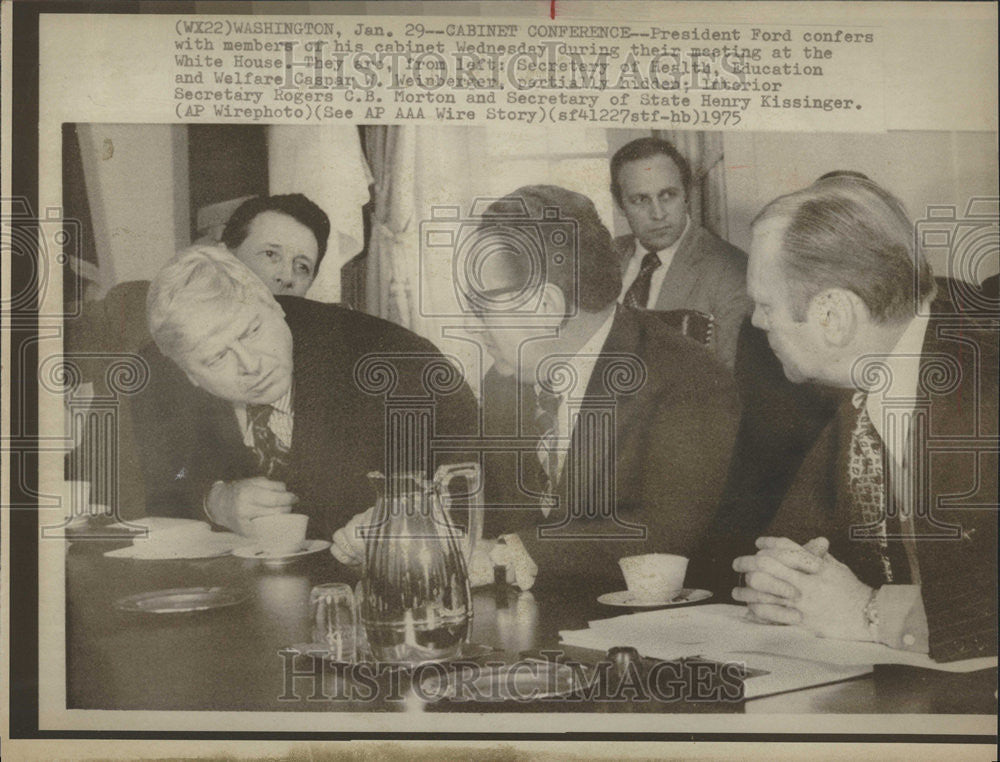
[[757, 318], [283, 278], [247, 362], [656, 209]]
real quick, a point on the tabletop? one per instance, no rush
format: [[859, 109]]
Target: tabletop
[[236, 658]]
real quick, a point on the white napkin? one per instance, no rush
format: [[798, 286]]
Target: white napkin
[[170, 538]]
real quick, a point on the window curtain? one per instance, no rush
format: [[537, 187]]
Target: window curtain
[[704, 152], [326, 164], [389, 285]]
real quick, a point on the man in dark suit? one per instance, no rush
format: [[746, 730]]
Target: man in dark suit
[[619, 428], [670, 262], [780, 423], [281, 238], [278, 411], [889, 531]]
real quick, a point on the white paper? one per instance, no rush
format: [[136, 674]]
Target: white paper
[[722, 629]]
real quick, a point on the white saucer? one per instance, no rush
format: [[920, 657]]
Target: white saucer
[[633, 600], [257, 554]]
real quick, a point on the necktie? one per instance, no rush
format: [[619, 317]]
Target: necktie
[[867, 484], [547, 425], [638, 293], [272, 455]]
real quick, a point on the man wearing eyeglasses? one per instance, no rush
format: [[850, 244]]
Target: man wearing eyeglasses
[[625, 427]]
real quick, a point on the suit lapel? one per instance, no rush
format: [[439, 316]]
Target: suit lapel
[[681, 276], [623, 339]]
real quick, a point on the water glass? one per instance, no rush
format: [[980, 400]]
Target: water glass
[[334, 616]]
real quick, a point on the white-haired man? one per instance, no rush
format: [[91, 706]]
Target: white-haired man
[[271, 414]]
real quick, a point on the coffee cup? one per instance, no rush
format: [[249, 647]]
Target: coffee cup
[[280, 533], [654, 576]]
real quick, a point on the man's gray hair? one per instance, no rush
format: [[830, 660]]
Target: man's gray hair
[[196, 276], [850, 233]]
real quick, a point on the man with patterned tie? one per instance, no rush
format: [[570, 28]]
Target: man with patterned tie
[[670, 262], [274, 417], [896, 502], [617, 429]]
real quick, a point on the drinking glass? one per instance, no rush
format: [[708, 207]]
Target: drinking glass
[[334, 617]]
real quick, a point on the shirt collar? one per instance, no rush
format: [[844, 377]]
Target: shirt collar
[[284, 403], [585, 358]]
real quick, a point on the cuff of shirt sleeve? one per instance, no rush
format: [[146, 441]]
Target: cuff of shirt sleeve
[[902, 621]]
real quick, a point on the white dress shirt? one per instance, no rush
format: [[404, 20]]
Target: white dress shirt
[[582, 363], [659, 274]]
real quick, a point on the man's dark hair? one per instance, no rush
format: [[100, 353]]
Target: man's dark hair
[[644, 148], [295, 205], [591, 279]]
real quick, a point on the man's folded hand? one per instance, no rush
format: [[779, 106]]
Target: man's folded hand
[[804, 585]]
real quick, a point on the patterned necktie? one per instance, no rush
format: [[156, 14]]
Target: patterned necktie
[[547, 425], [867, 484], [272, 455], [637, 295]]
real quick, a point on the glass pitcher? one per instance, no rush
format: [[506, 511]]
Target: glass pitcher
[[416, 604]]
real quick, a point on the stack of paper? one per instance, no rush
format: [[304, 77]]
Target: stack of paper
[[723, 632]]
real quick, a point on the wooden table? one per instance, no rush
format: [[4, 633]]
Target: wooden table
[[230, 659]]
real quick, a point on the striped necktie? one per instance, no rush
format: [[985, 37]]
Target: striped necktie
[[547, 424], [637, 295]]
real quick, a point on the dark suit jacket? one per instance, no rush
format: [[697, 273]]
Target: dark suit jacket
[[189, 439], [706, 274], [959, 575], [780, 423], [670, 447]]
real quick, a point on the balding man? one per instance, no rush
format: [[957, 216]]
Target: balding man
[[889, 531]]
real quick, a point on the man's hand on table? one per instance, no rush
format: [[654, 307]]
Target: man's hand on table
[[349, 548], [235, 504], [348, 545], [804, 585], [507, 551]]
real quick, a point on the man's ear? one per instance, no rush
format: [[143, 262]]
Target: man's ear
[[836, 312], [553, 301]]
